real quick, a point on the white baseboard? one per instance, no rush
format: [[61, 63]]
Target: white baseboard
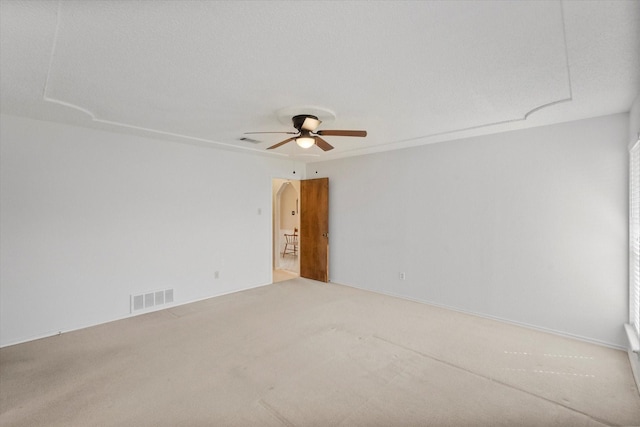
[[634, 360], [500, 319], [53, 333]]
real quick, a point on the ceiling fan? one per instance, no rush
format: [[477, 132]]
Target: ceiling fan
[[306, 136]]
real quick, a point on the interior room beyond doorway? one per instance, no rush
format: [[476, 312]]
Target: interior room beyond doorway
[[286, 221]]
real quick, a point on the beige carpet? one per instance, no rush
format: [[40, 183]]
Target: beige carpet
[[301, 353]]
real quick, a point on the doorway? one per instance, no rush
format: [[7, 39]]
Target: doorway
[[286, 221]]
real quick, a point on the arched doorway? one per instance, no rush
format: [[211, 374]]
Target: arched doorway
[[286, 219]]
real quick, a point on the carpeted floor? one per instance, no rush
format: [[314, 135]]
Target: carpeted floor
[[301, 353]]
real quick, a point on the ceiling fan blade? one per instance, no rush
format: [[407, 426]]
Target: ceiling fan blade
[[360, 133], [323, 144], [253, 133], [281, 143]]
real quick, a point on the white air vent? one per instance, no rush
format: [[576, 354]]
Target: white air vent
[[151, 299], [251, 140], [159, 298], [137, 302]]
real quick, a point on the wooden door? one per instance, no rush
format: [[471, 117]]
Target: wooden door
[[314, 229]]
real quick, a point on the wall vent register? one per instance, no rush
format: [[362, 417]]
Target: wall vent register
[[151, 299]]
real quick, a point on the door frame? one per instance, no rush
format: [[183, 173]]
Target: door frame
[[275, 227], [275, 219]]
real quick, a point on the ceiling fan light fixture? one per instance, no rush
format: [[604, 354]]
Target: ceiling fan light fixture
[[305, 141]]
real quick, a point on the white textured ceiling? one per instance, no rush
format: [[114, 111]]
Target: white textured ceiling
[[409, 73]]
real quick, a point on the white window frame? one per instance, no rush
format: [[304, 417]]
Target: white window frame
[[633, 328]]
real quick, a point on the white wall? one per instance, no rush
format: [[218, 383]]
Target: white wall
[[288, 202], [528, 226], [90, 217]]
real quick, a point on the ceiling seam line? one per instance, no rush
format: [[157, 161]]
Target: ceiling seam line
[[151, 130], [94, 118], [566, 49], [53, 50], [448, 132], [523, 118], [355, 150]]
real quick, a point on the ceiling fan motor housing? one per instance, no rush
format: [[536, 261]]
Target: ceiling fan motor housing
[[298, 121]]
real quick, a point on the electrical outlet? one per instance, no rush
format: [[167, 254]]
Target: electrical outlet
[[216, 275], [402, 276]]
